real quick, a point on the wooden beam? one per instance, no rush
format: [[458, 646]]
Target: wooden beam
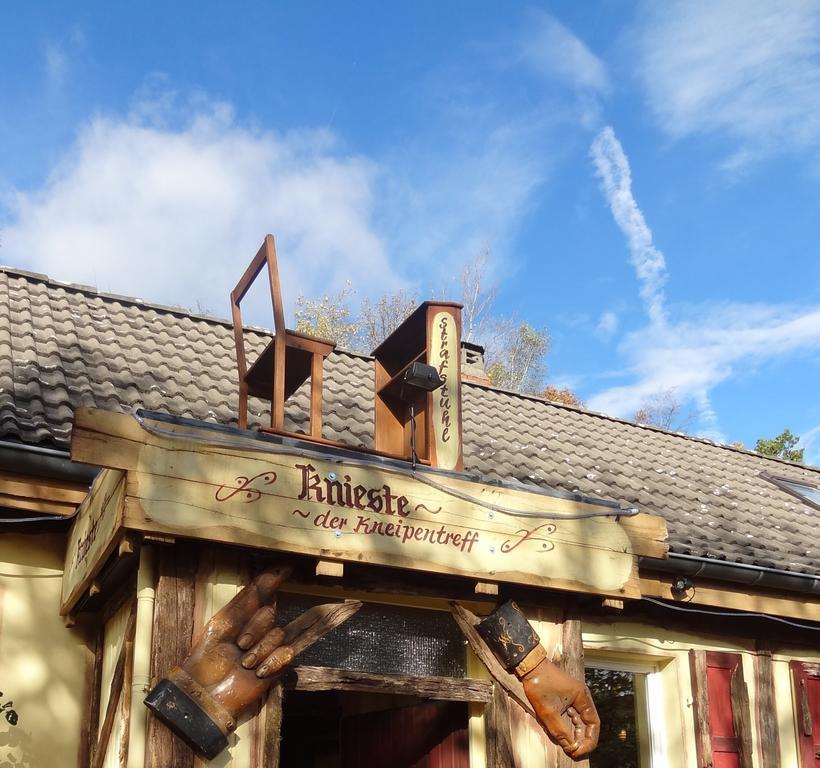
[[36, 505], [700, 707], [170, 644], [116, 688], [32, 487], [736, 598], [305, 678], [741, 716], [572, 662], [497, 729], [486, 588], [272, 737], [330, 568], [767, 725]]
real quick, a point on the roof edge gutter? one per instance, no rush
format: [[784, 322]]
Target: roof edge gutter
[[736, 573], [43, 462]]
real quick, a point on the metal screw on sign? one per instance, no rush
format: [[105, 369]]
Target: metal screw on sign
[[331, 475]]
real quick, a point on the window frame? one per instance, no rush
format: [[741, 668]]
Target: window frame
[[784, 483], [650, 723]]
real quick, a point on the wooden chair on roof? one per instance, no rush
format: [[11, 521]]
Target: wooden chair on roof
[[287, 361]]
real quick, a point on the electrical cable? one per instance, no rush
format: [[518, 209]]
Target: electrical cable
[[735, 614], [303, 453]]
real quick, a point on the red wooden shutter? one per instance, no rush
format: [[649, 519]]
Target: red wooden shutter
[[429, 735], [722, 718], [806, 687]]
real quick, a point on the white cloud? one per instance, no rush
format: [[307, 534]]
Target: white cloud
[[613, 170], [554, 51], [698, 352], [175, 214], [557, 54], [810, 442], [607, 325], [57, 57], [701, 349], [747, 68]]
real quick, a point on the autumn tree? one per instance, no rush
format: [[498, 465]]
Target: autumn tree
[[514, 351], [562, 395], [379, 318], [330, 317], [664, 409], [781, 447], [518, 363]]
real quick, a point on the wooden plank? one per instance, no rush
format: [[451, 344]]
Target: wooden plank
[[486, 588], [364, 512], [93, 537], [767, 725], [444, 334], [572, 662], [700, 708], [272, 737], [306, 678], [580, 555], [91, 697], [330, 568], [171, 643], [36, 505], [33, 487], [116, 688], [741, 716], [736, 598], [498, 732]]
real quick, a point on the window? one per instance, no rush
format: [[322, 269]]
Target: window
[[806, 492], [629, 699]]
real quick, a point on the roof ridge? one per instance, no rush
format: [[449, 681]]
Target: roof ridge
[[638, 425]]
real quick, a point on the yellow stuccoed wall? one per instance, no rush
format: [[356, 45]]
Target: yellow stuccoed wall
[[42, 664]]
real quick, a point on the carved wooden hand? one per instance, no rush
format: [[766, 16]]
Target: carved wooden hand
[[236, 658], [551, 691]]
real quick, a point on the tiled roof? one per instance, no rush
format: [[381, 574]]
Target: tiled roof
[[62, 346]]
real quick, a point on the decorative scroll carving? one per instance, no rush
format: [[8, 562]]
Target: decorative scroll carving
[[245, 487]]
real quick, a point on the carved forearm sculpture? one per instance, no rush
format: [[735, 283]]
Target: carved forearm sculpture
[[237, 657], [551, 691]]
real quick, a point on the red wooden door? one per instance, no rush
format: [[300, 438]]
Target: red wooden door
[[429, 735], [806, 686]]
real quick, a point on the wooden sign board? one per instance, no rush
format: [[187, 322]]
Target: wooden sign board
[[214, 486], [93, 535], [444, 334]]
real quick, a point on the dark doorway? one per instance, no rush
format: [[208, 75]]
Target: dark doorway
[[355, 730]]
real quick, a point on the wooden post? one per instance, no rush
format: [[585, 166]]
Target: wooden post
[[766, 711], [700, 708], [93, 682], [572, 662], [497, 728], [173, 628], [117, 680], [273, 726], [740, 716]]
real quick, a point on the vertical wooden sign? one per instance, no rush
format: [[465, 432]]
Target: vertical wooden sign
[[444, 334]]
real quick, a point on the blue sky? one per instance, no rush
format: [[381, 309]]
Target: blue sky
[[646, 176]]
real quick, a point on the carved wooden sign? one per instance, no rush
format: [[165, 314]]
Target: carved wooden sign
[[286, 499], [92, 536], [446, 411]]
